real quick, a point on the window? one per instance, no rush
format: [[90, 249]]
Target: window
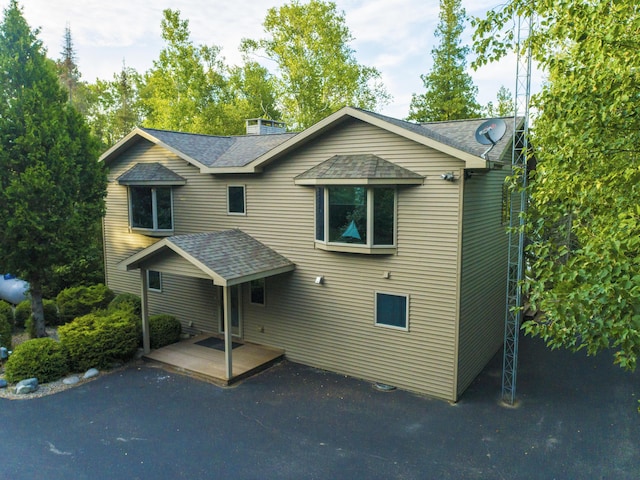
[[235, 200], [154, 281], [356, 218], [150, 208], [392, 311], [257, 291]]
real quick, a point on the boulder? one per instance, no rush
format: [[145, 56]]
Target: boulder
[[92, 372], [71, 380], [26, 386], [3, 383]]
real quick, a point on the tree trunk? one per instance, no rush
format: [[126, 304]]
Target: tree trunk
[[37, 309]]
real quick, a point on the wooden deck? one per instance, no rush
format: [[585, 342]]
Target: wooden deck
[[209, 364]]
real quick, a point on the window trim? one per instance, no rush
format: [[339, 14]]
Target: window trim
[[149, 287], [264, 292], [244, 200], [154, 230], [407, 298], [369, 247]]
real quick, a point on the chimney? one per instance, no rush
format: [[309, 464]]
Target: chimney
[[263, 126]]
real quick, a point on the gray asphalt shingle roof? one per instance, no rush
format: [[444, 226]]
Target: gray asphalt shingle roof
[[365, 166], [144, 173], [231, 254], [220, 151], [459, 134]]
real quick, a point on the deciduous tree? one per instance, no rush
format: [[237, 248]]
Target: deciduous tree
[[584, 220], [450, 92], [316, 69], [51, 186]]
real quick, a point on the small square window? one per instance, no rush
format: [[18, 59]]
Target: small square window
[[257, 291], [392, 310], [235, 200], [154, 281]]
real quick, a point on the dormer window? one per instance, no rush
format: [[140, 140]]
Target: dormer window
[[150, 195]]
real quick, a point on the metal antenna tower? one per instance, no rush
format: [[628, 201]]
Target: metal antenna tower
[[517, 209]]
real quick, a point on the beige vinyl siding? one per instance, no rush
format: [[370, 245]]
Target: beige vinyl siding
[[329, 326], [483, 279]]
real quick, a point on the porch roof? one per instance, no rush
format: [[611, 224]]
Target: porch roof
[[229, 257]]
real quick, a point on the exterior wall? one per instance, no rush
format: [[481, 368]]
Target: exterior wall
[[483, 278], [329, 326]]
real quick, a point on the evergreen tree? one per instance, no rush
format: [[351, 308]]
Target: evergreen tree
[[505, 106], [51, 186], [450, 92]]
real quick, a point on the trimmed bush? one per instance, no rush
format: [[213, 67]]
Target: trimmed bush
[[22, 313], [98, 340], [42, 358], [75, 302], [164, 330], [50, 312], [6, 324], [126, 301]]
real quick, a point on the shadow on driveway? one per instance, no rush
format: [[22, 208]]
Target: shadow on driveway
[[576, 417]]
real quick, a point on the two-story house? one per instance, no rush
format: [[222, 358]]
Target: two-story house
[[364, 245]]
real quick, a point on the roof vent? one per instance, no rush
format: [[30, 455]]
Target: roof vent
[[263, 126]]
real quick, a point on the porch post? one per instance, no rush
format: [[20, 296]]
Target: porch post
[[228, 347], [146, 342]]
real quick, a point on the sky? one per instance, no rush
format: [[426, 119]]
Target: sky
[[394, 36]]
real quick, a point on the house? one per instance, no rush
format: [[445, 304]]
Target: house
[[364, 245]]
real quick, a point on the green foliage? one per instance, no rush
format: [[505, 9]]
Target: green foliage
[[505, 106], [126, 301], [164, 330], [583, 223], [22, 313], [450, 92], [185, 88], [318, 71], [98, 340], [6, 324], [77, 301], [42, 358], [114, 106], [51, 186]]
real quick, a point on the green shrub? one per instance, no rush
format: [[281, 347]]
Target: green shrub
[[6, 324], [97, 340], [50, 312], [164, 330], [126, 301], [42, 358], [78, 301], [22, 313]]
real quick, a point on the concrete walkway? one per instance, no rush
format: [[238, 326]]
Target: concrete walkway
[[576, 418]]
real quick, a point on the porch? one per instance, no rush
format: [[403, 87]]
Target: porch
[[194, 357]]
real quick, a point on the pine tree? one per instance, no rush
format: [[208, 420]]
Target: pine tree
[[51, 186], [450, 92]]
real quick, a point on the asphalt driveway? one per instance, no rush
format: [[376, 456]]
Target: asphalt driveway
[[576, 418]]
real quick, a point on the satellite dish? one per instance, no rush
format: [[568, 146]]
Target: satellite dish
[[490, 131]]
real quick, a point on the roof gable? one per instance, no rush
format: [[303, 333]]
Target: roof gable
[[229, 257], [456, 138]]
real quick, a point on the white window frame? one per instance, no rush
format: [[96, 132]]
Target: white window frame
[[149, 287], [154, 211], [369, 247], [244, 200], [385, 325]]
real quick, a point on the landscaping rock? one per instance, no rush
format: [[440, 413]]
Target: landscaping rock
[[71, 380], [3, 383], [92, 372], [26, 386]]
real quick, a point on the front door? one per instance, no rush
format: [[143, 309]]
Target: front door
[[236, 317]]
